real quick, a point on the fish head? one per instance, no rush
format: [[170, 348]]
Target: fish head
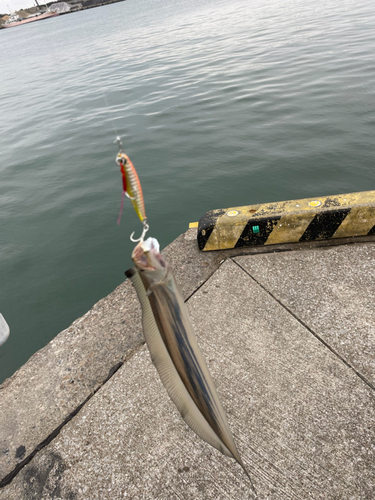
[[148, 259]]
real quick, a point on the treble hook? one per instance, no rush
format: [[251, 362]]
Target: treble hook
[[145, 229]]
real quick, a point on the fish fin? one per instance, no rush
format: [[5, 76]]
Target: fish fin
[[169, 375]]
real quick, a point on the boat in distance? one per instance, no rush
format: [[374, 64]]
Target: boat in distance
[[16, 20]]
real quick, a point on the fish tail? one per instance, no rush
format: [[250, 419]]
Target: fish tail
[[239, 461]]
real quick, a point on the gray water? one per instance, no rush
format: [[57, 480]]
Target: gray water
[[219, 104]]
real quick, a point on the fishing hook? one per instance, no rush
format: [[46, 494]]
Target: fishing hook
[[145, 229]]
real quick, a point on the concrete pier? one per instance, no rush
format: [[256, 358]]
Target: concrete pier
[[288, 335]]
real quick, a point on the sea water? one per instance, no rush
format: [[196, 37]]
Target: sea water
[[219, 104]]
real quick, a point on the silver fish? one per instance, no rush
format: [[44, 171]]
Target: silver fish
[[174, 349]]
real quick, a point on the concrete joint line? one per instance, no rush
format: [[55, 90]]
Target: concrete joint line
[[205, 281], [343, 360], [9, 478]]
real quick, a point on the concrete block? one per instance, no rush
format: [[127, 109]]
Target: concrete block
[[302, 419], [331, 290]]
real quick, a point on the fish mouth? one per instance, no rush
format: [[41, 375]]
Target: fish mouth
[[146, 256]]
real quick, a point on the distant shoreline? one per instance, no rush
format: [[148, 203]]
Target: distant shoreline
[[91, 6], [84, 5]]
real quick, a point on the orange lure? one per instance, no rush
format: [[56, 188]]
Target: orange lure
[[131, 186]]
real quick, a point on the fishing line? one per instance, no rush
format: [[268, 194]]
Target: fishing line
[[131, 185], [110, 117]]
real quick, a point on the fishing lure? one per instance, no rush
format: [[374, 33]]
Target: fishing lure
[[174, 349], [131, 186]]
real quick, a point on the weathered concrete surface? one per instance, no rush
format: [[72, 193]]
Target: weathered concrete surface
[[57, 379], [52, 385], [303, 420], [332, 291]]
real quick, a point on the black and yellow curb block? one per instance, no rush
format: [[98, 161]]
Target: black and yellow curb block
[[338, 216]]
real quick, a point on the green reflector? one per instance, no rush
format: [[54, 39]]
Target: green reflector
[[255, 229]]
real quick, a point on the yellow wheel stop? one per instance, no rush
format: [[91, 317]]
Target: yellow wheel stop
[[310, 219]]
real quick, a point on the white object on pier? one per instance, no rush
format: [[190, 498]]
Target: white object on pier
[[4, 330]]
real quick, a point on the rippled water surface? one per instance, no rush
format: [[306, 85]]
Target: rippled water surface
[[219, 104]]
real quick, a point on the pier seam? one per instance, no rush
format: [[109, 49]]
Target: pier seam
[[205, 281], [343, 360]]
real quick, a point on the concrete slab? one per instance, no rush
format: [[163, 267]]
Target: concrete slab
[[47, 391], [302, 419], [331, 290]]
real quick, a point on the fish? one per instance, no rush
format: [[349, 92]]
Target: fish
[[131, 186], [175, 352]]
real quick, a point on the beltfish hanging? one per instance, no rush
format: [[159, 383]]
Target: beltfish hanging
[[174, 349]]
